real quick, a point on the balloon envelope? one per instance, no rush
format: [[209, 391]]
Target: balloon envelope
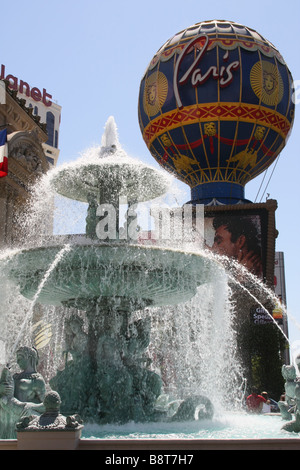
[[216, 108]]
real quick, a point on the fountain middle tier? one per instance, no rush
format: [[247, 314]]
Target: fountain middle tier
[[154, 275]]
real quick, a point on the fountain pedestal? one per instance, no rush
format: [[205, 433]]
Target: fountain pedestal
[[51, 430], [108, 379], [48, 440]]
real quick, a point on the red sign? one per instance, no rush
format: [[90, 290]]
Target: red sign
[[23, 88]]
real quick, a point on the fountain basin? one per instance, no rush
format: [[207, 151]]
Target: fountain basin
[[156, 276], [113, 176], [107, 173], [225, 426]]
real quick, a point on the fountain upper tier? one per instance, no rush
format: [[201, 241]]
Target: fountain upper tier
[[107, 173], [107, 282], [95, 270]]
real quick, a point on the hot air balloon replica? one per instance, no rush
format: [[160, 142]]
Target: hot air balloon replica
[[216, 109]]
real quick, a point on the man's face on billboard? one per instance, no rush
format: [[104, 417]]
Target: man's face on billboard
[[223, 244]]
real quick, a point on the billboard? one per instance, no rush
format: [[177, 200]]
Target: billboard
[[243, 232], [260, 316], [237, 236], [246, 233]]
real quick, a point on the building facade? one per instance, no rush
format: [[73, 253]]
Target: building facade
[[42, 107], [27, 160]]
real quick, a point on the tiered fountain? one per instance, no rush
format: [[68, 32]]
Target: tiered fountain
[[214, 135], [108, 379]]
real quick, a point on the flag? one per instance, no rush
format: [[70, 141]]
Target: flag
[[3, 153]]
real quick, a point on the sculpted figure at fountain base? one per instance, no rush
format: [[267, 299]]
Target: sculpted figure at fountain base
[[21, 394]]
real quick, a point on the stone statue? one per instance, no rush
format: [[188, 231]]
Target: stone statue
[[21, 394], [194, 407], [29, 384], [51, 419], [127, 389], [291, 405], [91, 218], [287, 407], [75, 337], [75, 383], [294, 425], [137, 340]]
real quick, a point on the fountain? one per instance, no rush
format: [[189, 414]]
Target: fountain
[[108, 379]]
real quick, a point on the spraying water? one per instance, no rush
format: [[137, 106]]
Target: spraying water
[[236, 271], [28, 315]]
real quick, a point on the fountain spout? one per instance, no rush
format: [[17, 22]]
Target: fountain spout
[[110, 140]]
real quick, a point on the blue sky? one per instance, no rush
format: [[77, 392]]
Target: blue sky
[[91, 55]]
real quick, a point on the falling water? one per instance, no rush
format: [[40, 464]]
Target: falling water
[[194, 345], [245, 281], [28, 315]]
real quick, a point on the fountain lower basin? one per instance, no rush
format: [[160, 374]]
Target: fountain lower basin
[[226, 426], [234, 431]]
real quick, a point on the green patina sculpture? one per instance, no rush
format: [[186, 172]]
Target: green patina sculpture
[[21, 394], [286, 407], [107, 379], [294, 425], [91, 218], [291, 406], [51, 419], [194, 407]]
